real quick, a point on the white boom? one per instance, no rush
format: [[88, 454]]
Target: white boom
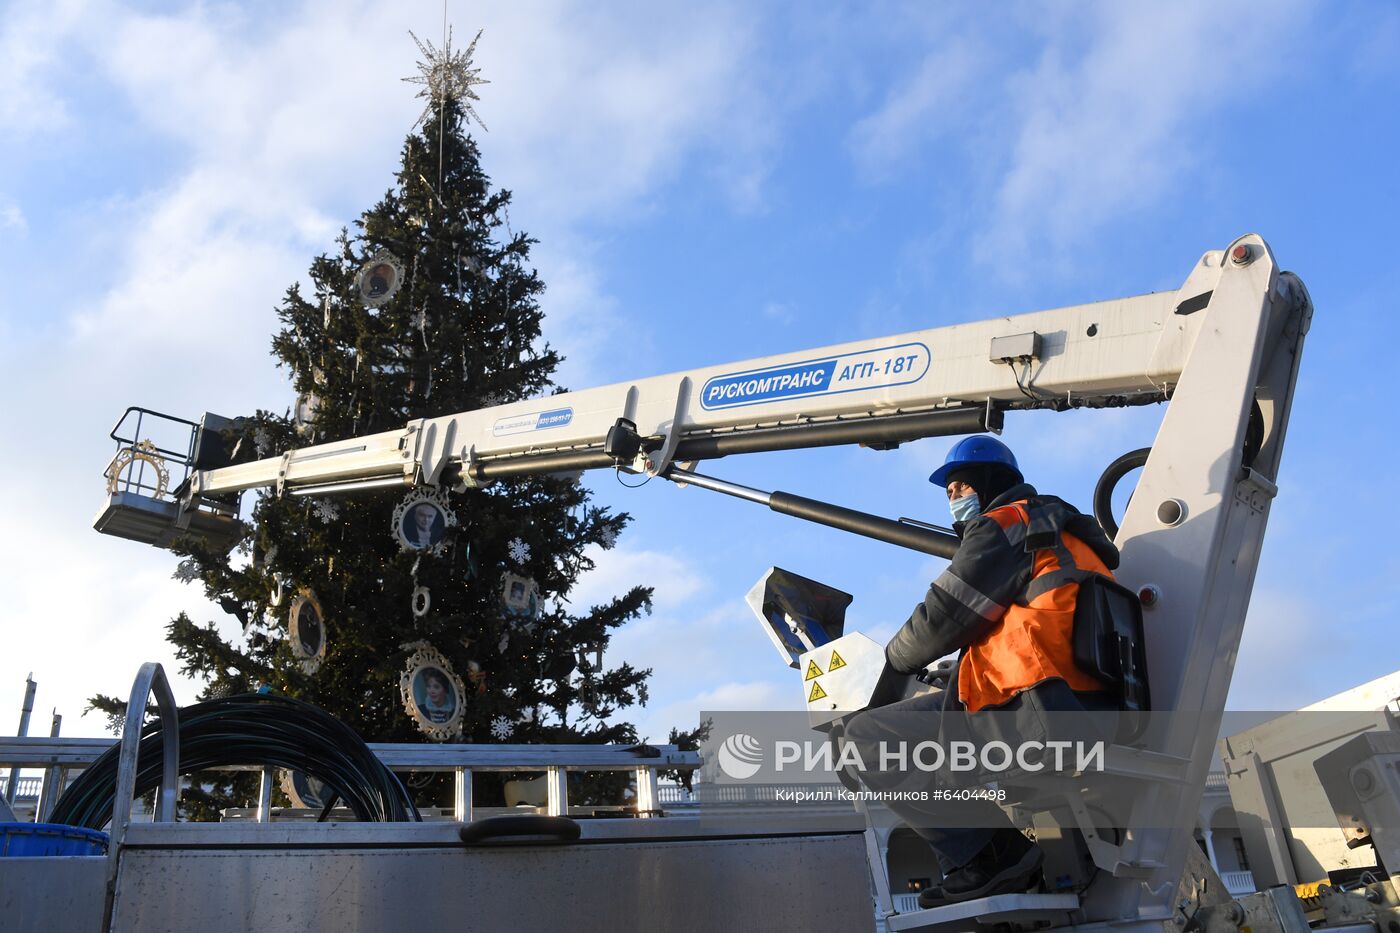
[[1124, 351]]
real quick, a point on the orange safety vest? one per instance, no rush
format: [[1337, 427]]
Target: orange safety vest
[[1034, 641]]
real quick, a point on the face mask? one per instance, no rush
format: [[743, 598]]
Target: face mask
[[968, 507]]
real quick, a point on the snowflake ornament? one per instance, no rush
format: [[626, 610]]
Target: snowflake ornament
[[187, 571], [444, 73], [501, 727], [519, 551], [262, 440], [326, 511], [607, 537]]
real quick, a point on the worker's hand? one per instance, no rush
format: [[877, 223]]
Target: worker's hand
[[889, 688]]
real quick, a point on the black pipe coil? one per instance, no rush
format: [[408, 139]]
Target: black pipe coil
[[254, 729]]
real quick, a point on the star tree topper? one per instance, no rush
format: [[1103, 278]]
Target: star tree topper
[[445, 73]]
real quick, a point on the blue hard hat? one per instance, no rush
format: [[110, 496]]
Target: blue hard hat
[[970, 451]]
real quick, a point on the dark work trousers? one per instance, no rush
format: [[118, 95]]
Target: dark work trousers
[[958, 829]]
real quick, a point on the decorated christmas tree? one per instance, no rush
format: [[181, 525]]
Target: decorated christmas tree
[[427, 614]]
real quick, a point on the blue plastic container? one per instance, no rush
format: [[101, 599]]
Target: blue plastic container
[[27, 839]]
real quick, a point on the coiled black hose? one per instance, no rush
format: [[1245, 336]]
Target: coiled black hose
[[256, 729]]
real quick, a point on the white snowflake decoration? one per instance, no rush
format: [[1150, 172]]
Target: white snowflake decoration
[[444, 73], [607, 537], [326, 511], [187, 571], [262, 440], [501, 727], [519, 551], [419, 320]]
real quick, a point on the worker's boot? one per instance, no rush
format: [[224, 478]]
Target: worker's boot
[[932, 897], [1009, 864]]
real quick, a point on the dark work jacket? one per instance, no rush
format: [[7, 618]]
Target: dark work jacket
[[990, 571]]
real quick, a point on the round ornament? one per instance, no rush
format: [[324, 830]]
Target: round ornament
[[433, 695], [421, 520], [306, 630], [304, 790], [422, 599], [128, 470]]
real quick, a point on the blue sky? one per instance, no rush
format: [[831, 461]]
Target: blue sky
[[708, 182]]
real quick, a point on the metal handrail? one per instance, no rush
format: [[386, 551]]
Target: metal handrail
[[461, 760], [183, 460], [150, 679], [141, 413], [76, 752]]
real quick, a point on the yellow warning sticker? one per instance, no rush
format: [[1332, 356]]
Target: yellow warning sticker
[[817, 693], [837, 662], [812, 670]]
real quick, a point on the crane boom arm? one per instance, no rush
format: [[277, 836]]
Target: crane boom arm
[[945, 380]]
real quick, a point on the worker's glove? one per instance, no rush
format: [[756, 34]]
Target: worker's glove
[[889, 688]]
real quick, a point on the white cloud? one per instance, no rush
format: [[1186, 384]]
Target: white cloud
[[675, 581], [1118, 108], [12, 218], [919, 110], [781, 311], [30, 37], [686, 711]]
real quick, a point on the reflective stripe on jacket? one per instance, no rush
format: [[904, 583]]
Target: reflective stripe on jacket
[[1008, 597]]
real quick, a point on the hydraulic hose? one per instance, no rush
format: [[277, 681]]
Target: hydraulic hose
[[1103, 490], [256, 729]]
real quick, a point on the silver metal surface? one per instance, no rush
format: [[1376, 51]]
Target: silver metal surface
[[676, 474], [689, 886], [249, 834], [1362, 781], [1002, 908], [12, 786], [54, 778], [81, 752], [462, 795], [1288, 825], [52, 894], [149, 679], [138, 517], [265, 782]]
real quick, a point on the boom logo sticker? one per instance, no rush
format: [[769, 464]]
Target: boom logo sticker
[[534, 421], [740, 756], [847, 372]]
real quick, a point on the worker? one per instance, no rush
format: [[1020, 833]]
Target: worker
[[1007, 603]]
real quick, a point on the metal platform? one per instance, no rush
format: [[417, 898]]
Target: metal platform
[[156, 521]]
